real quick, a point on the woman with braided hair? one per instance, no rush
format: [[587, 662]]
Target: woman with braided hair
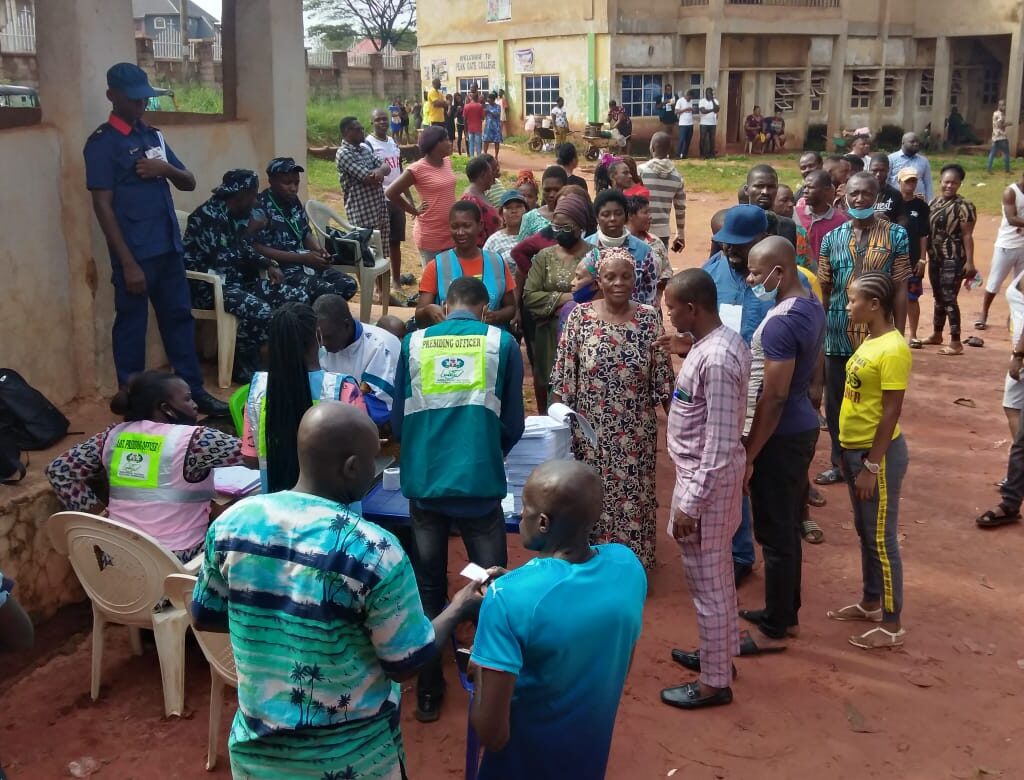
[[279, 397], [609, 369], [874, 457]]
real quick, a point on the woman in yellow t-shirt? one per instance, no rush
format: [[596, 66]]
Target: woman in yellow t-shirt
[[874, 457]]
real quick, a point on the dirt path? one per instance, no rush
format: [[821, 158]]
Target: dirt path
[[947, 706]]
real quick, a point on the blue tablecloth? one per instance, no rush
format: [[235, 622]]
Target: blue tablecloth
[[390, 508]]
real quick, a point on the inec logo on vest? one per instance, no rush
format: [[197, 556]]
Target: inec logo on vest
[[453, 370], [134, 465]]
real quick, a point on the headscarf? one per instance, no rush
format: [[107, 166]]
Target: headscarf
[[611, 253], [574, 208], [524, 177], [608, 159], [430, 137]]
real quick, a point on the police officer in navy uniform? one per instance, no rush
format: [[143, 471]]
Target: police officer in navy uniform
[[127, 167]]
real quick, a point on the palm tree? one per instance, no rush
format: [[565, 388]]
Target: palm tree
[[383, 546], [343, 701], [338, 524], [297, 698], [297, 675], [349, 774], [318, 707], [330, 774], [315, 675], [332, 710]]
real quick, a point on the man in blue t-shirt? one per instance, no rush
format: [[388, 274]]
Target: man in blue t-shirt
[[784, 430], [555, 638]]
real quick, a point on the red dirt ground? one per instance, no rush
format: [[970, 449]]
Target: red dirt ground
[[948, 705]]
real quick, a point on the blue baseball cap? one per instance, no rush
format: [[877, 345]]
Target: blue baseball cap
[[130, 80], [742, 225], [511, 195]]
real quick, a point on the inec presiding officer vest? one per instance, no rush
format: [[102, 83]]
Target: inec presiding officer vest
[[145, 463], [452, 400]]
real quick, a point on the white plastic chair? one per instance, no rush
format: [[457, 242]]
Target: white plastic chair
[[122, 571], [217, 649], [227, 324], [320, 216]]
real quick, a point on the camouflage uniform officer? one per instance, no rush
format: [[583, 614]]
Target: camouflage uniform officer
[[288, 239], [219, 240]]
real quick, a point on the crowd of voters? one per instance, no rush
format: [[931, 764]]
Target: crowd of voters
[[808, 300]]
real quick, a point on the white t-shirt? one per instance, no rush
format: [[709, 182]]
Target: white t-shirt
[[559, 117], [708, 119], [685, 118], [389, 152], [371, 358]]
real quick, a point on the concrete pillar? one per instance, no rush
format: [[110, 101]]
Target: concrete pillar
[[796, 130], [340, 61], [942, 83], [204, 63], [144, 57], [377, 74], [714, 77], [1013, 87], [836, 89], [410, 75], [270, 72], [76, 43]]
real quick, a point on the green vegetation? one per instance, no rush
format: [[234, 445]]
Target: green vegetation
[[726, 174], [196, 99], [324, 113], [323, 176]]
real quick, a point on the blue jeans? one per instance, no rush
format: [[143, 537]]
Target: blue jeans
[[875, 521], [1002, 147], [685, 136], [474, 144], [743, 539]]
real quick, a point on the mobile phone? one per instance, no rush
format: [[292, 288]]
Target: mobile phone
[[462, 656]]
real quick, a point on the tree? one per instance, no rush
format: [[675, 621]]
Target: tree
[[382, 21], [336, 37]]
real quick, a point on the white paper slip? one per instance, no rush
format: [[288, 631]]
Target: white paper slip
[[475, 572], [235, 480], [508, 503], [562, 413], [731, 315]]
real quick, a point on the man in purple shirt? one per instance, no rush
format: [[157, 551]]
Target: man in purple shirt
[[815, 212], [787, 353]]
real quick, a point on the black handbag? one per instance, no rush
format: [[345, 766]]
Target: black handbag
[[342, 246]]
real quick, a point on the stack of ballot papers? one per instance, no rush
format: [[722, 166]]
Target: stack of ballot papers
[[546, 437], [236, 480]]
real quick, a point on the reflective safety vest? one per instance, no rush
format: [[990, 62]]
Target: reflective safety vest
[[336, 387], [145, 464], [454, 371], [449, 269]]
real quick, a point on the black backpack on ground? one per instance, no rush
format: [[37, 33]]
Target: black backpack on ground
[[27, 418]]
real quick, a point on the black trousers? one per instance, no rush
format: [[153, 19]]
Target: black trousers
[[1012, 490], [484, 537], [835, 385], [707, 140], [778, 493]]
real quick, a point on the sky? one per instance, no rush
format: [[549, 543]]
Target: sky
[[212, 7]]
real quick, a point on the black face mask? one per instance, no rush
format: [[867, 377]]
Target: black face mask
[[567, 240]]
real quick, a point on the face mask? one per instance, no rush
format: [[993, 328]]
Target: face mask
[[763, 294], [566, 240], [585, 294], [607, 240], [865, 213]]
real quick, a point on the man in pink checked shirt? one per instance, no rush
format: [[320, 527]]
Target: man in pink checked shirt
[[705, 423]]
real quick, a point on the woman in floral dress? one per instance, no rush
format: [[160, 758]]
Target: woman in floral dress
[[609, 369]]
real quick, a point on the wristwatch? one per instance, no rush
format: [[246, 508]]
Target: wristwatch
[[874, 468]]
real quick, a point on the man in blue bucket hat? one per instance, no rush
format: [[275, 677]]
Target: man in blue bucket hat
[[128, 165]]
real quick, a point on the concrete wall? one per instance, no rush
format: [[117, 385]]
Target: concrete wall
[[34, 264], [325, 81]]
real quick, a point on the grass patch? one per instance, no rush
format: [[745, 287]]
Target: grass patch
[[725, 175], [324, 113], [196, 99], [322, 177]]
